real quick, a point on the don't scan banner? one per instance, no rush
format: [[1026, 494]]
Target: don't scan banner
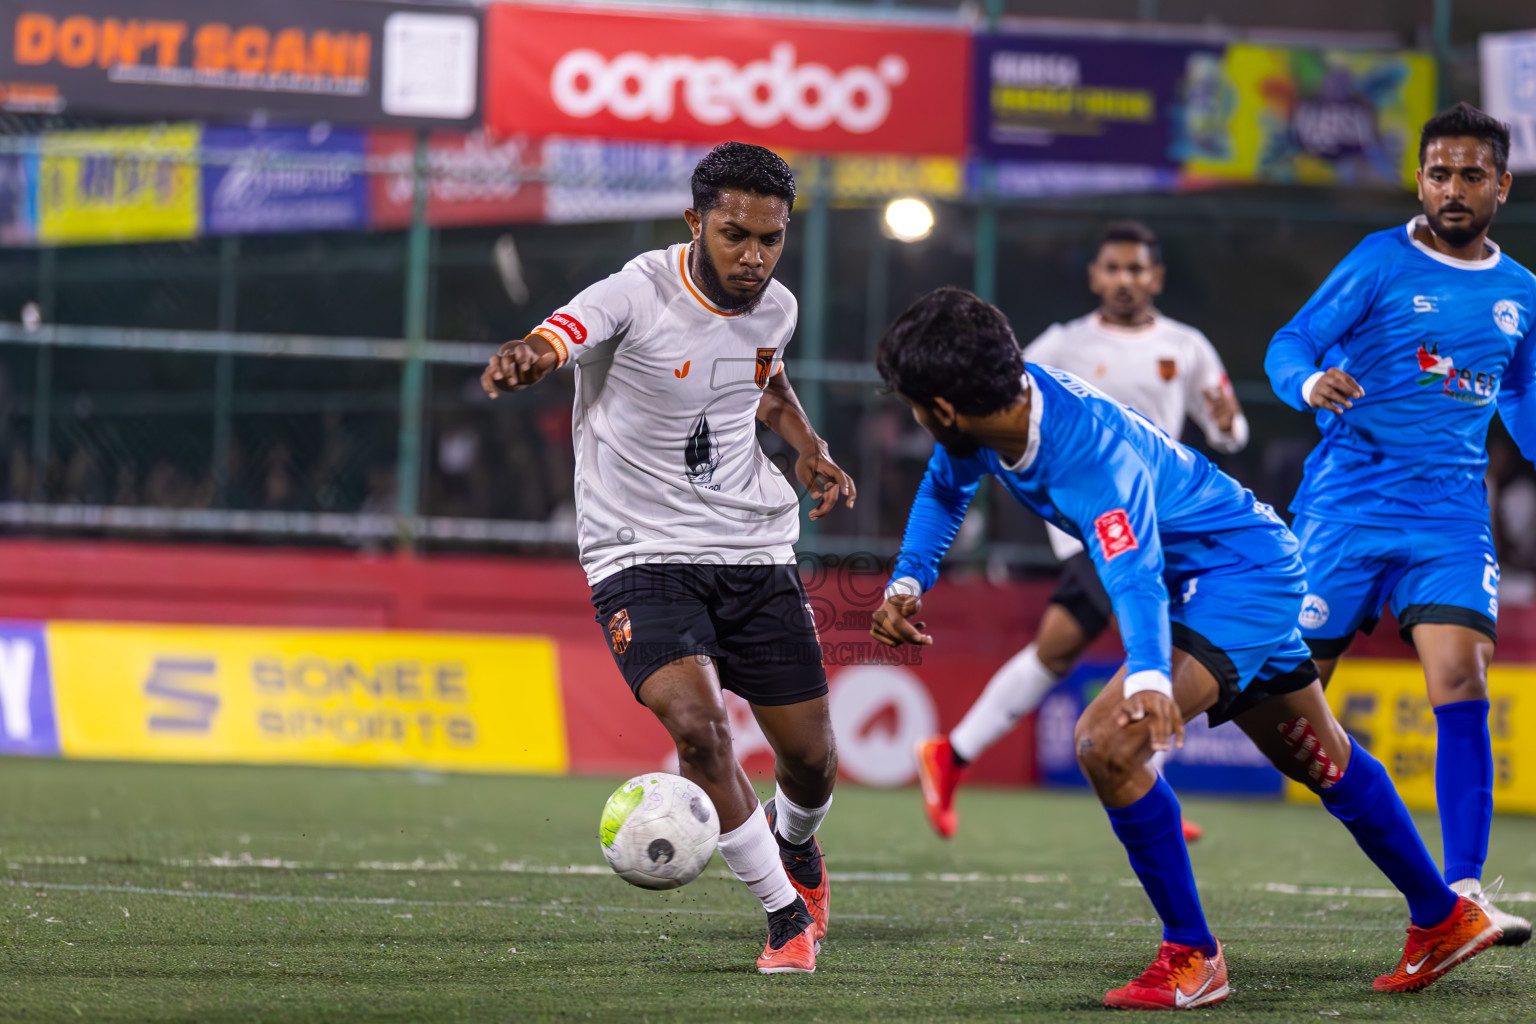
[[203, 694]]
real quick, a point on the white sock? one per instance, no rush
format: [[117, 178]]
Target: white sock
[[1015, 691], [752, 853], [795, 823]]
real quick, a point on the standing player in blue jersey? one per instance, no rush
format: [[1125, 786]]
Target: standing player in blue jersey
[[1403, 353], [1206, 582]]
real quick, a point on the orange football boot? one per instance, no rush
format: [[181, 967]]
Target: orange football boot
[[791, 947], [1192, 832], [1181, 978], [1431, 952], [807, 873], [937, 772]]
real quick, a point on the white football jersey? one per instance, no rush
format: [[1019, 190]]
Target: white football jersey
[[668, 468], [1162, 370]]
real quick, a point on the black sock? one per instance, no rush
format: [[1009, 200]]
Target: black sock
[[954, 755], [787, 922]]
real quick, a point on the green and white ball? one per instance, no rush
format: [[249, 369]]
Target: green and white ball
[[658, 831]]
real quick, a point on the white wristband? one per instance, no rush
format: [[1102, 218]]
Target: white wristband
[[907, 585], [1148, 679], [1307, 386]]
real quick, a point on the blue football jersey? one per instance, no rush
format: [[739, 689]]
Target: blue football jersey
[[1151, 512], [1436, 343]]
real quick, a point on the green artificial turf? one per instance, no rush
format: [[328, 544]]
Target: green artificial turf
[[137, 892]]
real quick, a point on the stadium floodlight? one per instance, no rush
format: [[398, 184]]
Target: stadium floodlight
[[908, 220]]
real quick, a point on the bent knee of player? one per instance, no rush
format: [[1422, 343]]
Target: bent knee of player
[[703, 737], [1462, 682], [1316, 751], [1107, 752]]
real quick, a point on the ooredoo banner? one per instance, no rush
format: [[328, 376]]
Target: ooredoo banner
[[360, 63], [698, 76]]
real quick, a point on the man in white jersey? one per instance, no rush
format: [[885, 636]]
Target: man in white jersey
[[1165, 370], [687, 531]]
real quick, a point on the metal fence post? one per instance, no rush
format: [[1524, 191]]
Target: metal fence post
[[813, 293], [42, 387], [413, 374], [224, 368]]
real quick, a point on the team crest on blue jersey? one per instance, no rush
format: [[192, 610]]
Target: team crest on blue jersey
[[1507, 315], [1464, 385]]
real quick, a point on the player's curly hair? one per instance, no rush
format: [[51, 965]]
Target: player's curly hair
[[952, 344], [741, 167], [1466, 120]]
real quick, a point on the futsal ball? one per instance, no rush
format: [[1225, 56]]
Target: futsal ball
[[658, 831]]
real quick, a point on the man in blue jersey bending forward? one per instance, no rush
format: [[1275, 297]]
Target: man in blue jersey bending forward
[[1404, 353], [1206, 582]]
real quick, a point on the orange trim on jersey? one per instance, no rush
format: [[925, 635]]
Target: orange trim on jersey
[[562, 353], [682, 268]]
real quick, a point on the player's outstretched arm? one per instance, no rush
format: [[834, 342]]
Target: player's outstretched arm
[[1328, 318], [1517, 396], [892, 622], [781, 412], [519, 364]]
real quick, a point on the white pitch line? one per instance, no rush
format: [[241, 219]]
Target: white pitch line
[[452, 864]]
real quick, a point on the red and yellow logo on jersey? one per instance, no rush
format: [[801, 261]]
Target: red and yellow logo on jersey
[[570, 325], [1113, 529]]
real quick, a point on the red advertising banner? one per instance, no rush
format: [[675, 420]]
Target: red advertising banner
[[699, 76], [474, 180]]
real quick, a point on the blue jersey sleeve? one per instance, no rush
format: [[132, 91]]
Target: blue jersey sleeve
[[1112, 503], [942, 498], [1517, 396], [1328, 318]]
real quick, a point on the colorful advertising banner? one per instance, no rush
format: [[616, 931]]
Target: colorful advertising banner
[[361, 63], [1311, 117], [1509, 90], [255, 179], [1383, 706], [118, 184], [1085, 101], [180, 693], [702, 76], [26, 694], [1219, 760], [474, 180]]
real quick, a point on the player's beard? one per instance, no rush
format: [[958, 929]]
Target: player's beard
[[714, 287], [955, 443], [1458, 235]]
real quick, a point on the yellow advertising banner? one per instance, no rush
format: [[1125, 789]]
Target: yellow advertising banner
[[180, 693], [119, 185], [1382, 704]]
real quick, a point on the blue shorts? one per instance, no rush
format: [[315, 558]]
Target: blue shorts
[[1240, 623], [1445, 574]]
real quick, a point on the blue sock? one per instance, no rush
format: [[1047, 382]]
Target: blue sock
[[1153, 834], [1464, 786], [1368, 805]]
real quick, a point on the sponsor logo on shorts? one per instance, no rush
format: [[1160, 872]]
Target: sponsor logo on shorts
[[1507, 315], [570, 325], [1113, 529], [619, 633], [1314, 612]]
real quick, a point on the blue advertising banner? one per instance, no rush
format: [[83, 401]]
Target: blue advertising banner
[[27, 722], [1086, 101], [1221, 760], [251, 183]]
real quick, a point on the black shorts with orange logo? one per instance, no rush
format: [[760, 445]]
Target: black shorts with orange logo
[[753, 621]]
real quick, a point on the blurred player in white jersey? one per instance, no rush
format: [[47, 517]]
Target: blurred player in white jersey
[[687, 531], [1165, 370]]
